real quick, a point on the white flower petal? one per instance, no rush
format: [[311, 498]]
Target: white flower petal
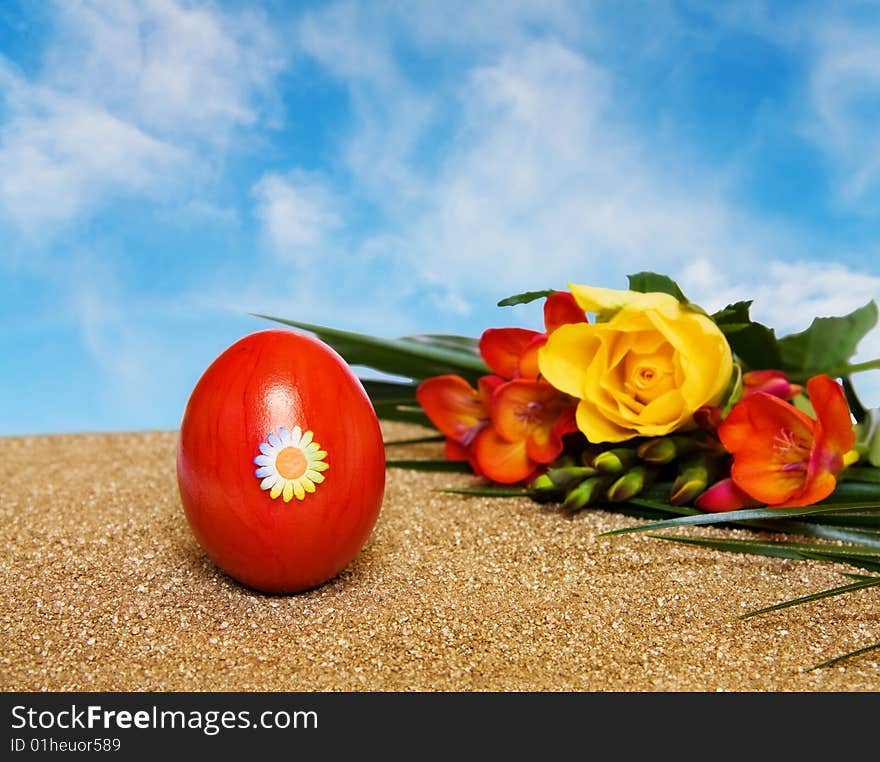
[[296, 436], [319, 465], [284, 435], [264, 471], [274, 440], [268, 482], [306, 438], [313, 447], [276, 489], [267, 449], [314, 476], [264, 460]]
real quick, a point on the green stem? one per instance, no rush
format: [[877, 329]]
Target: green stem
[[837, 372]]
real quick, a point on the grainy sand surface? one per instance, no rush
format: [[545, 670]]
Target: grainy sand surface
[[103, 587]]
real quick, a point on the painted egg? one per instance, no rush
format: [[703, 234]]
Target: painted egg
[[280, 462]]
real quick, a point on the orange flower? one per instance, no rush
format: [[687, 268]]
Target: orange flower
[[458, 410], [781, 456], [513, 352], [529, 419], [507, 429]]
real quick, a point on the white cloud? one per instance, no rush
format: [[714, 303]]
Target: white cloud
[[788, 295], [131, 97], [545, 184], [59, 157], [297, 213], [836, 104], [845, 100], [173, 68], [542, 180]]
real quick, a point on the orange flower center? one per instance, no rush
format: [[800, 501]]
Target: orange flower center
[[530, 414], [291, 463], [792, 453]]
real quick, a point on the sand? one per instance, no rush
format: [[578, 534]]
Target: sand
[[103, 587]]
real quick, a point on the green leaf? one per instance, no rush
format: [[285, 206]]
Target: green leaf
[[460, 343], [828, 344], [864, 474], [402, 414], [853, 586], [866, 520], [753, 547], [413, 441], [854, 491], [861, 537], [402, 357], [525, 298], [854, 558], [729, 517], [646, 282], [383, 391], [733, 314], [861, 557], [485, 491], [848, 655], [753, 343], [445, 466]]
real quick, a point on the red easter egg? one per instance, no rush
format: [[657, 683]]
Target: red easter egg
[[280, 462]]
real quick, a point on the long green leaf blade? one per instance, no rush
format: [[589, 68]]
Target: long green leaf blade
[[413, 441], [848, 655], [831, 592], [445, 466], [751, 514], [402, 357], [381, 391], [450, 341], [485, 491], [865, 474], [402, 413], [782, 549]]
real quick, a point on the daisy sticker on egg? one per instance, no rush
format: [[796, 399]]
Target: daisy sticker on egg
[[290, 463]]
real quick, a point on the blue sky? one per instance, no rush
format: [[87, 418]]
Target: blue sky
[[168, 167]]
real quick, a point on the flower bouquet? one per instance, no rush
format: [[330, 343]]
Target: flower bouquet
[[640, 401]]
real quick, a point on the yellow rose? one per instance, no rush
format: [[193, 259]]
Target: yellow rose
[[642, 372]]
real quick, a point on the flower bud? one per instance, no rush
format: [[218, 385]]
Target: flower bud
[[629, 485], [585, 493], [554, 483], [542, 485], [663, 450], [614, 462], [773, 382], [725, 496], [696, 473]]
